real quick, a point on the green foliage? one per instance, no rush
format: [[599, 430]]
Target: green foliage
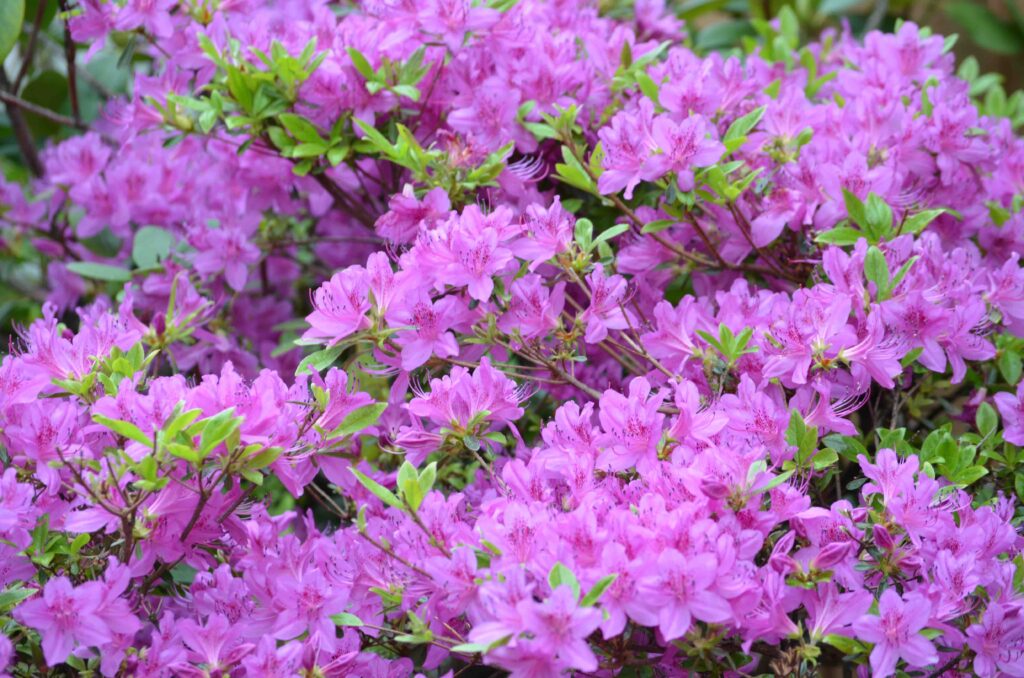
[[730, 346], [12, 13]]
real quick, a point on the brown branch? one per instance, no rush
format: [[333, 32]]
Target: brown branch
[[342, 199], [30, 49], [69, 56], [16, 102]]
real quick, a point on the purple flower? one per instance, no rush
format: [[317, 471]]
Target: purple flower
[[1011, 409], [682, 148], [998, 642], [680, 590], [339, 307], [560, 627], [632, 427], [66, 617], [895, 632], [606, 311]]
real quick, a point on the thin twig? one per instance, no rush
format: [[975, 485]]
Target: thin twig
[[69, 56], [30, 49], [13, 101]]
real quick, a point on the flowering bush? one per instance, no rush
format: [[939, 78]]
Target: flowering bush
[[619, 359]]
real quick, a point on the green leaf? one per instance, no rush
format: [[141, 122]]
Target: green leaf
[[985, 28], [841, 235], [12, 15], [179, 420], [879, 217], [375, 137], [152, 245], [742, 126], [560, 575], [691, 9], [826, 458], [610, 233], [986, 419], [855, 208], [319, 361], [901, 274], [917, 223], [186, 452], [723, 34], [361, 63], [47, 90], [595, 593], [89, 269], [584, 233], [658, 226], [378, 490], [877, 271], [358, 420], [1009, 363], [13, 596], [831, 7], [480, 648], [409, 485], [775, 482], [789, 26], [801, 436], [844, 644], [346, 619], [427, 478], [648, 87], [217, 429], [125, 429]]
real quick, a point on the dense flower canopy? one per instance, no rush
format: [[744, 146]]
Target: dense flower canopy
[[617, 358]]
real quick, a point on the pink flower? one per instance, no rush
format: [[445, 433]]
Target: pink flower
[[998, 643], [549, 231], [1011, 409], [888, 474], [626, 150], [407, 215], [832, 612], [681, 590], [228, 250], [534, 310], [561, 627], [632, 427], [339, 307], [477, 260], [431, 323], [895, 631], [452, 19], [684, 147], [215, 646], [306, 604], [607, 295], [66, 617]]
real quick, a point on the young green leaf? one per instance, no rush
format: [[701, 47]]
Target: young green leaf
[[595, 593], [560, 575], [378, 490], [125, 429], [359, 419], [89, 269]]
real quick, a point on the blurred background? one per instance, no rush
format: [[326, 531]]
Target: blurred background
[[991, 31]]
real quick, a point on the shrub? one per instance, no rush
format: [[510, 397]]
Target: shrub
[[619, 359]]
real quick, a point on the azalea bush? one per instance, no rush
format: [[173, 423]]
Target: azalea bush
[[463, 338]]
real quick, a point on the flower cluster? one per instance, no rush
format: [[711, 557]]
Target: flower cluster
[[402, 339]]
